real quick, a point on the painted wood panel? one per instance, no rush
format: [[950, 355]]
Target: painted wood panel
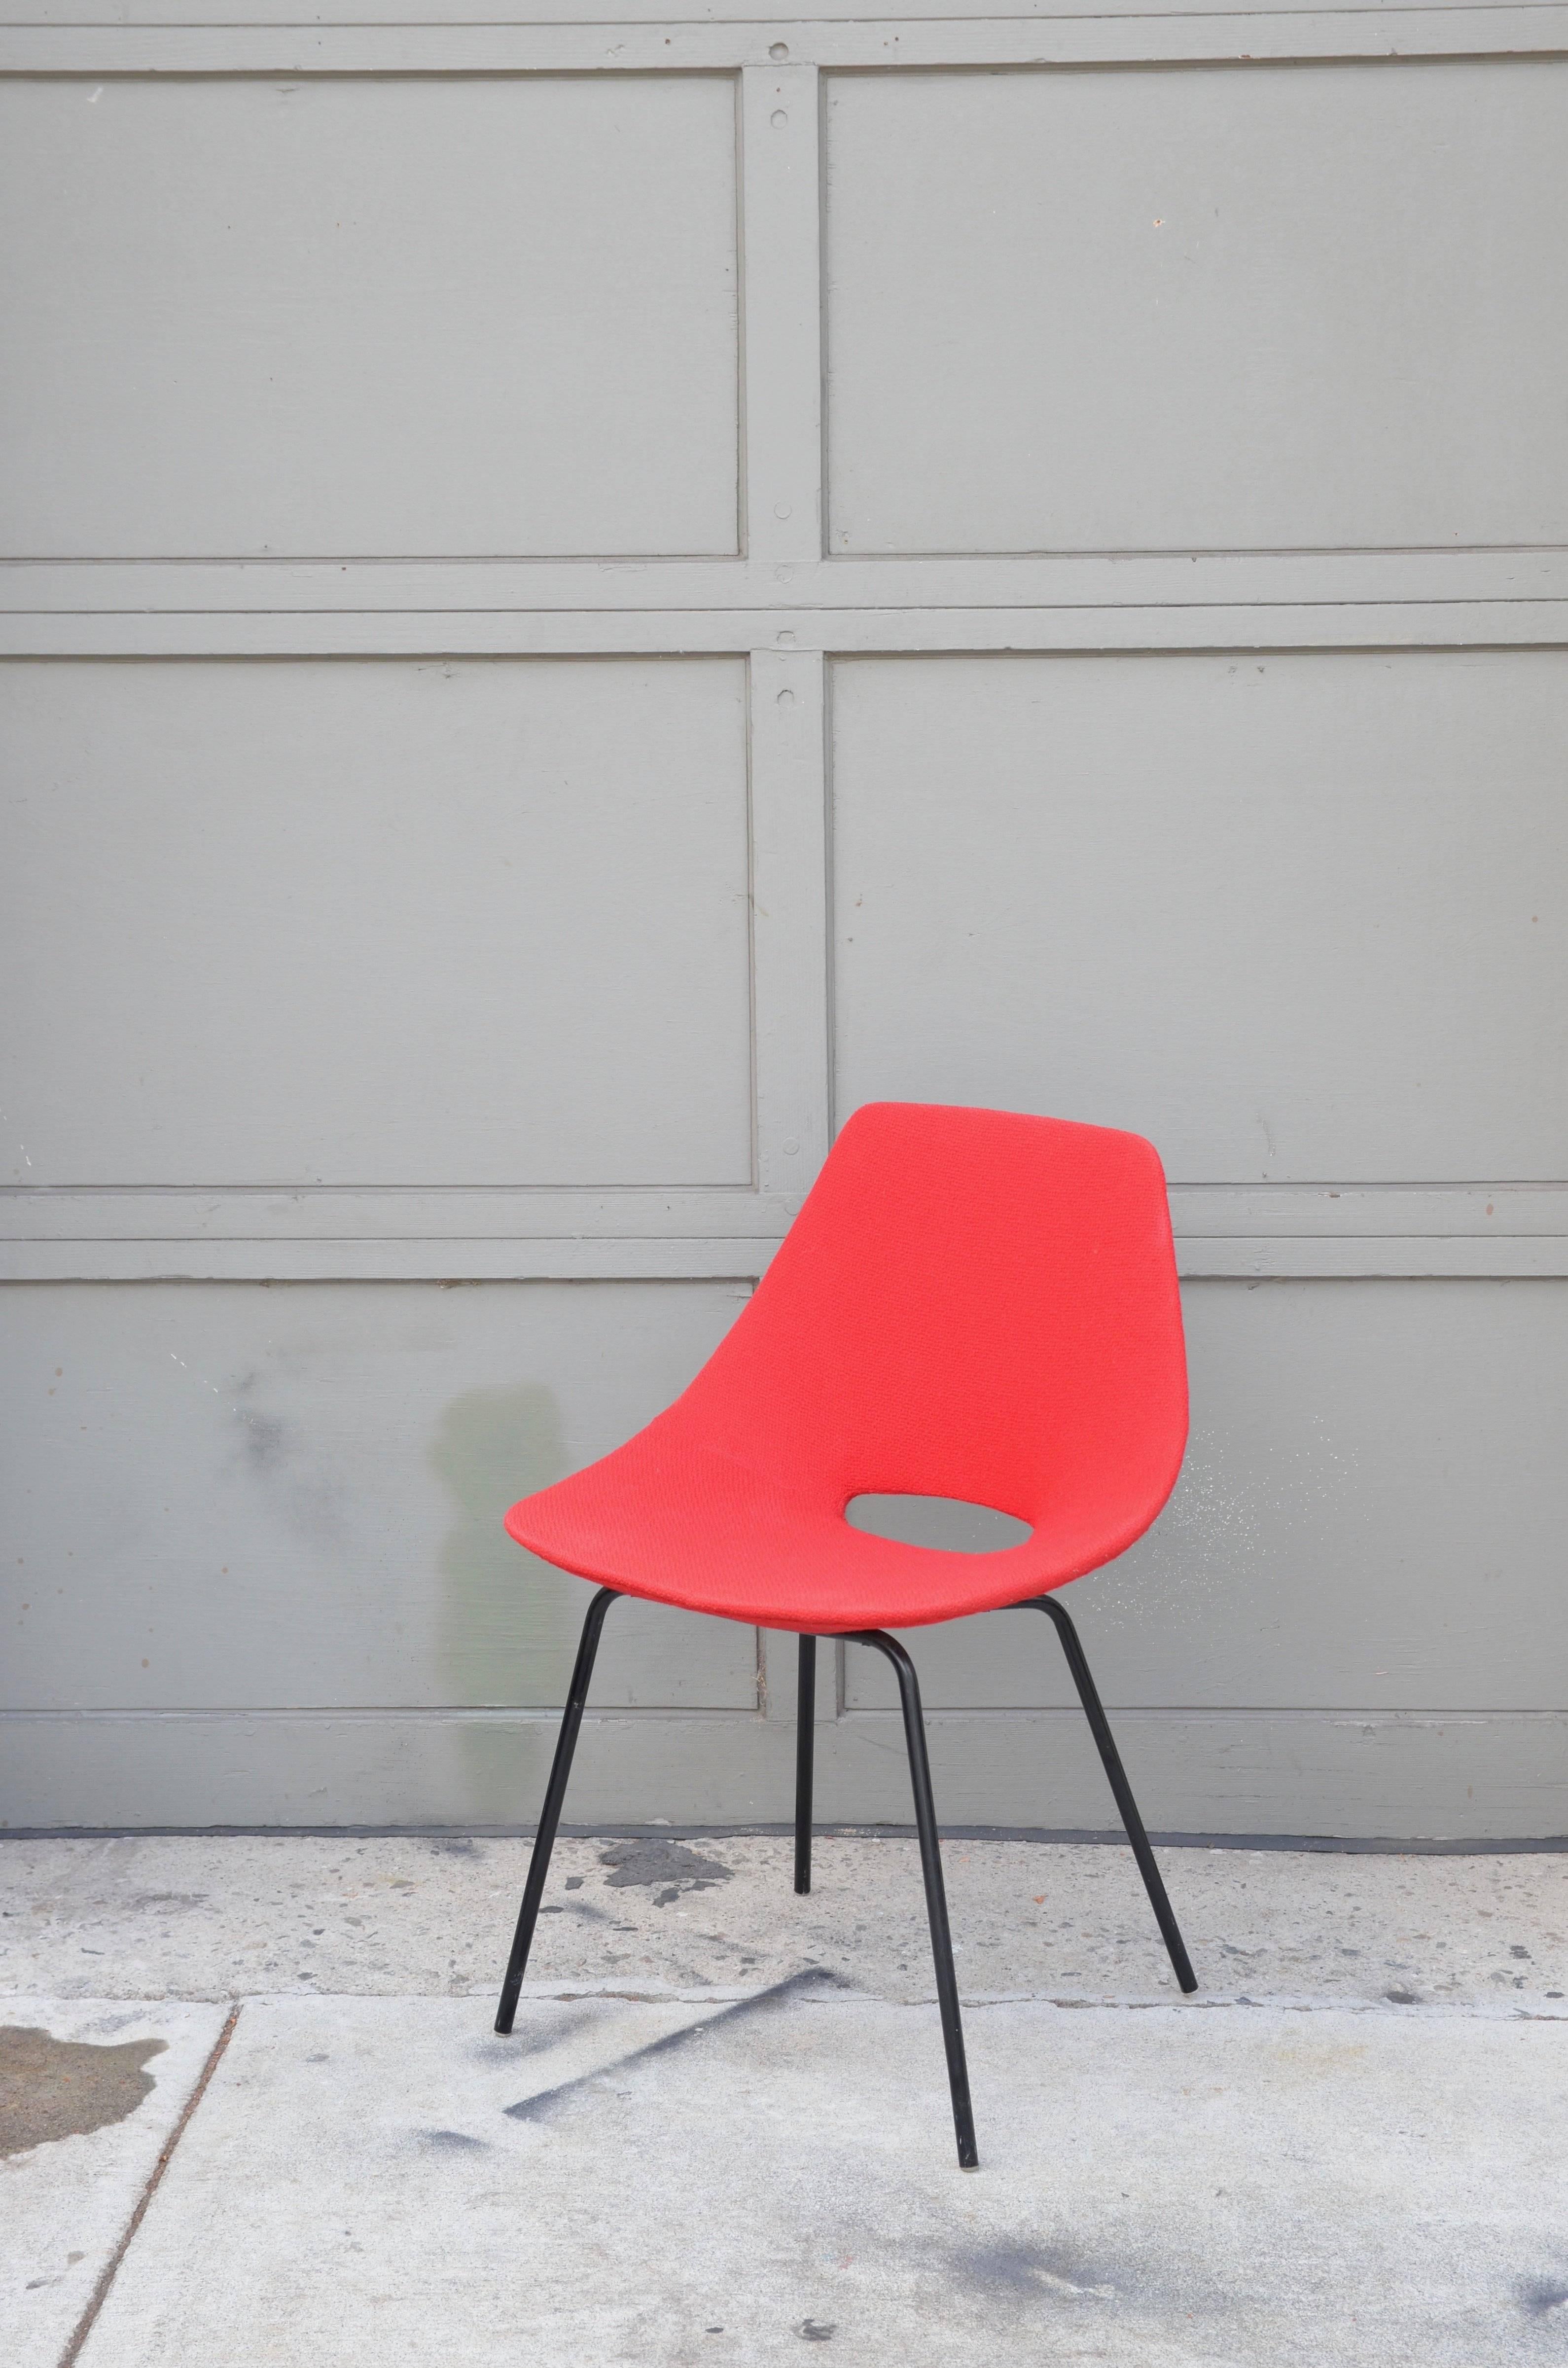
[[1370, 1517], [1312, 305], [370, 317], [959, 28], [1296, 918], [434, 856], [331, 923], [251, 1497], [1263, 1773]]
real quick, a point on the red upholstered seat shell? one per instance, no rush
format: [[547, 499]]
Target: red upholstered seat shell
[[971, 1304]]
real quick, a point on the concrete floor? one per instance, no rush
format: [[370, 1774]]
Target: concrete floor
[[198, 1918], [64, 2202], [720, 2129]]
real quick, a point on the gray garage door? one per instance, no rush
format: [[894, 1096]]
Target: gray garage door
[[584, 597]]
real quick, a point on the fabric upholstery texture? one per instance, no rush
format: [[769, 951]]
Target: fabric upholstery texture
[[971, 1304]]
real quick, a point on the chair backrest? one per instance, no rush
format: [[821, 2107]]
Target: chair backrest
[[971, 1304]]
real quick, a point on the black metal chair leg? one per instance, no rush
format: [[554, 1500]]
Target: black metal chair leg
[[936, 1895], [550, 1816], [1100, 1727], [805, 1738]]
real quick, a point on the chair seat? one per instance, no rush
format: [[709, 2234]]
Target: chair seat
[[679, 1522], [972, 1304]]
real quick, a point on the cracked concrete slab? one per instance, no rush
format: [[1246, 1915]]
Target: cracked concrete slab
[[1161, 2188], [197, 1917], [90, 2093]]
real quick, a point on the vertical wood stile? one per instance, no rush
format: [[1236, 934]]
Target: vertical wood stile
[[790, 973], [780, 281]]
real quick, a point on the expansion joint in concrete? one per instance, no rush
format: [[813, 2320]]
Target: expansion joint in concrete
[[100, 2293]]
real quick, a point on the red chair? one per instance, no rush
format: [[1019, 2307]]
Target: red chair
[[970, 1305]]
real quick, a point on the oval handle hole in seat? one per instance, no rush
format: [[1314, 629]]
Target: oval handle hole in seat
[[949, 1522]]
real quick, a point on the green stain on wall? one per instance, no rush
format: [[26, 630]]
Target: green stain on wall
[[508, 1627]]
